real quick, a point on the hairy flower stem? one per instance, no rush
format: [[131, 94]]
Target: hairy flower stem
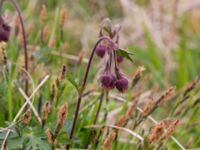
[[24, 44], [83, 87]]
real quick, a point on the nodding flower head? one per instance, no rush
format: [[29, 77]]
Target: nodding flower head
[[120, 59], [4, 31], [112, 83], [108, 80], [122, 84], [109, 43], [101, 50]]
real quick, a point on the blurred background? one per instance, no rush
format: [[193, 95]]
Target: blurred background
[[163, 35]]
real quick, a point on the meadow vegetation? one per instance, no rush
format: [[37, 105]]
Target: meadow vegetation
[[121, 75]]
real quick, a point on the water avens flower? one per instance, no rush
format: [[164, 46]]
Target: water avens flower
[[108, 80], [4, 31], [122, 84], [101, 50], [112, 84], [107, 44]]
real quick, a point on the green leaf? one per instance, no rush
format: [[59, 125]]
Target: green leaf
[[125, 54], [36, 143], [147, 146], [71, 79], [68, 126], [63, 138], [35, 139], [15, 143], [152, 51]]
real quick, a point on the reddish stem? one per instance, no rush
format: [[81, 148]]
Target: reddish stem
[[25, 42], [83, 86], [115, 60]]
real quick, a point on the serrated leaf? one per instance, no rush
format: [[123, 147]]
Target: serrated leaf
[[15, 143], [124, 54], [36, 143], [35, 139]]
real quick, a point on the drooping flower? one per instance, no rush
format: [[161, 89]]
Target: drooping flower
[[4, 31], [108, 80], [113, 81], [101, 50], [122, 84]]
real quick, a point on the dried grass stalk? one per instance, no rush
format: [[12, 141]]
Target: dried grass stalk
[[63, 16], [109, 140], [191, 86], [46, 109], [26, 118], [165, 96], [137, 76], [163, 130], [3, 58], [148, 107], [62, 114], [43, 14], [50, 136]]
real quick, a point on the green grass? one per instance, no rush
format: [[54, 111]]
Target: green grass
[[186, 69]]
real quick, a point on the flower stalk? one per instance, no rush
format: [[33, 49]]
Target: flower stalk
[[24, 42], [83, 87]]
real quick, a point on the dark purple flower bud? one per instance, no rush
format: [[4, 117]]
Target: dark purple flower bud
[[120, 59], [113, 80], [108, 80], [122, 84], [4, 31], [101, 50]]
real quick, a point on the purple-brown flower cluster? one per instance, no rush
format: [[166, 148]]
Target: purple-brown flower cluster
[[106, 49]]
